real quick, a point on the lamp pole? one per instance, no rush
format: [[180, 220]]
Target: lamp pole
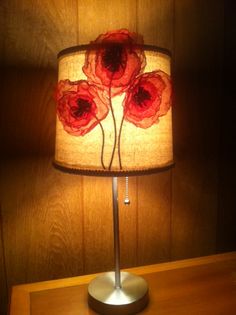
[[116, 232], [115, 293]]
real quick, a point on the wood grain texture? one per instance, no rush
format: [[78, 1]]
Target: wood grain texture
[[94, 18], [2, 29], [128, 223], [36, 31], [58, 225], [197, 77], [193, 286], [154, 218], [155, 22], [28, 112], [98, 235], [3, 279], [97, 17], [42, 221], [226, 230], [34, 219], [154, 192], [42, 240], [197, 64]]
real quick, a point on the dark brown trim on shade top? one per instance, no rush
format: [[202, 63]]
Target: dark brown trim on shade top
[[95, 46], [106, 173]]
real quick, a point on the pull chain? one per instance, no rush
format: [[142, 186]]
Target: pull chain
[[127, 201]]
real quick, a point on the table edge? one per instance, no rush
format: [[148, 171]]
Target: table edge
[[20, 297]]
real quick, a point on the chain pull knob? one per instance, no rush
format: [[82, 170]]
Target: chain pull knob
[[126, 200]]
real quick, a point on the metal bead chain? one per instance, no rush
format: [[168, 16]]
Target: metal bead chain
[[126, 200]]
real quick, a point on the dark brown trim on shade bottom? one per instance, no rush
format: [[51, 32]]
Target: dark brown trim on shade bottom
[[105, 173], [96, 46]]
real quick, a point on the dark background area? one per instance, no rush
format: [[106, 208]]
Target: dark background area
[[226, 239]]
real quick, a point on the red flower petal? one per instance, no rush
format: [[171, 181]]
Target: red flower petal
[[148, 99], [116, 62], [63, 87], [80, 106]]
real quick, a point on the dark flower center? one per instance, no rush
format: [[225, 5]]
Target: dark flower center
[[84, 106], [141, 96], [112, 58]]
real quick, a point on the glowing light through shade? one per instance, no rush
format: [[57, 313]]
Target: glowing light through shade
[[134, 149]]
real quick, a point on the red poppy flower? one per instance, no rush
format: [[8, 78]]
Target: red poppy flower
[[116, 62], [80, 106], [148, 99]]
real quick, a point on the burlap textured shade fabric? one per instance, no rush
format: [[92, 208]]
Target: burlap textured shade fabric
[[117, 145]]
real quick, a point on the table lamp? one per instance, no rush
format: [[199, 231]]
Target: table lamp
[[114, 119]]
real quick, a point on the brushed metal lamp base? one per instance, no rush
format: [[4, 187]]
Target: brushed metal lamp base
[[117, 293], [130, 298]]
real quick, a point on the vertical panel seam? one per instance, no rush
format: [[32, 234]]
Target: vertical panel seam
[[171, 211], [82, 224], [136, 180], [77, 22], [171, 179], [219, 143], [82, 177], [137, 224], [136, 8], [3, 255]]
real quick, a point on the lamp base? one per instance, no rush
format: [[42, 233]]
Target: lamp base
[[105, 299]]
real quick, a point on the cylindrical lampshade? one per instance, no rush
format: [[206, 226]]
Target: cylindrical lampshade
[[114, 125]]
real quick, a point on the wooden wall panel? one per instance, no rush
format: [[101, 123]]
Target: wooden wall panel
[[41, 208], [226, 227], [128, 223], [3, 281], [42, 221], [94, 18], [36, 30], [197, 74], [59, 225], [154, 204], [98, 236], [97, 17], [28, 112], [34, 33], [2, 28], [155, 23]]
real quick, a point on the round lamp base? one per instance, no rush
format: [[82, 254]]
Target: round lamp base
[[105, 299]]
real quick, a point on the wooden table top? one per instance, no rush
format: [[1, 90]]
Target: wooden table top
[[199, 286]]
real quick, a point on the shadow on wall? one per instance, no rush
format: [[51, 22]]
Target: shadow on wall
[[28, 111]]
